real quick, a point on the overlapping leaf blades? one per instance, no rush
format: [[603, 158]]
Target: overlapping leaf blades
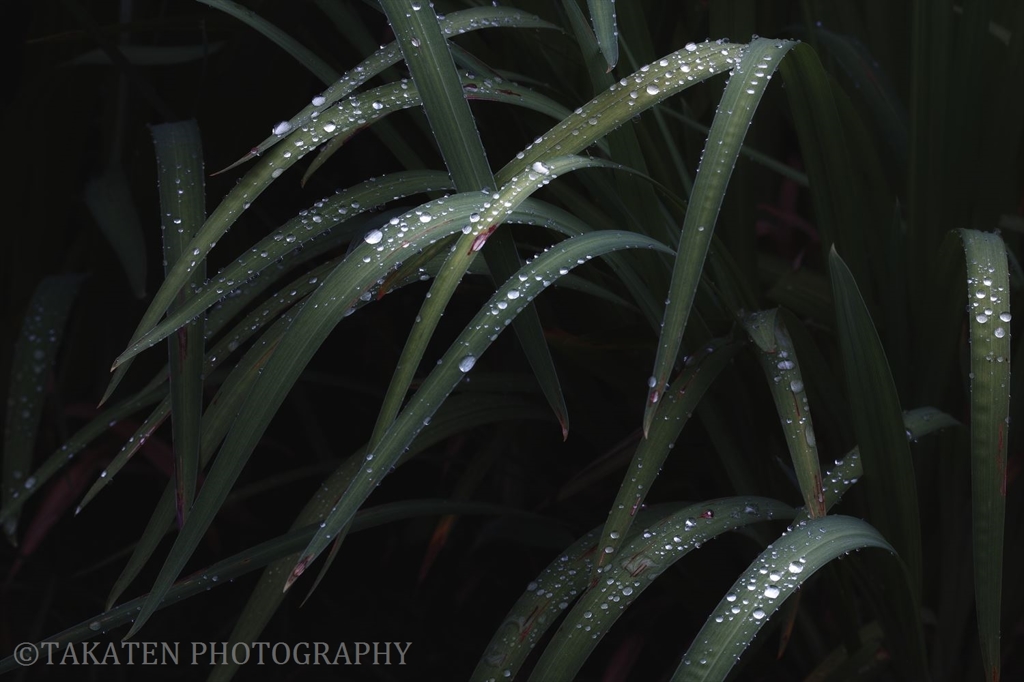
[[821, 124], [743, 93], [369, 261]]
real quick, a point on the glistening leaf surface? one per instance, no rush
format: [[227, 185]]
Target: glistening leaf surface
[[742, 94], [459, 360], [34, 356], [778, 572], [988, 294]]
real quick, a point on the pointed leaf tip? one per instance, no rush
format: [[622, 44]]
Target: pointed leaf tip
[[297, 572], [253, 153]]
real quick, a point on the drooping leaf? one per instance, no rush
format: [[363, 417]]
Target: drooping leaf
[[647, 556], [761, 590], [750, 76], [459, 360]]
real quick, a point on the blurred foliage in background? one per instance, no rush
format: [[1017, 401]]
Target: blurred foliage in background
[[309, 361]]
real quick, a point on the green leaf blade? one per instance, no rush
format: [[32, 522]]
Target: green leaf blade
[[742, 95], [878, 422], [785, 381], [602, 15], [430, 63], [778, 572], [988, 293], [34, 357], [545, 598], [179, 155], [674, 412], [647, 556], [460, 358]]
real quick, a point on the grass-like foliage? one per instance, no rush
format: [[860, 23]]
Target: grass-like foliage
[[543, 297]]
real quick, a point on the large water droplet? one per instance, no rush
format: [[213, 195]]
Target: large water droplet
[[466, 363], [373, 237]]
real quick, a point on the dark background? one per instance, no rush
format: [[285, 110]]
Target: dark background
[[60, 122]]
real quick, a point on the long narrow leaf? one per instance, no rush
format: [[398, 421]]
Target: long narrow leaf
[[643, 559], [890, 483], [875, 409], [988, 290], [95, 428], [823, 148], [179, 155], [683, 396], [383, 248], [247, 328], [425, 50], [742, 95], [455, 23], [675, 72], [778, 572], [302, 231], [343, 119], [782, 369], [430, 62], [34, 357], [459, 360], [602, 14], [545, 598]]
